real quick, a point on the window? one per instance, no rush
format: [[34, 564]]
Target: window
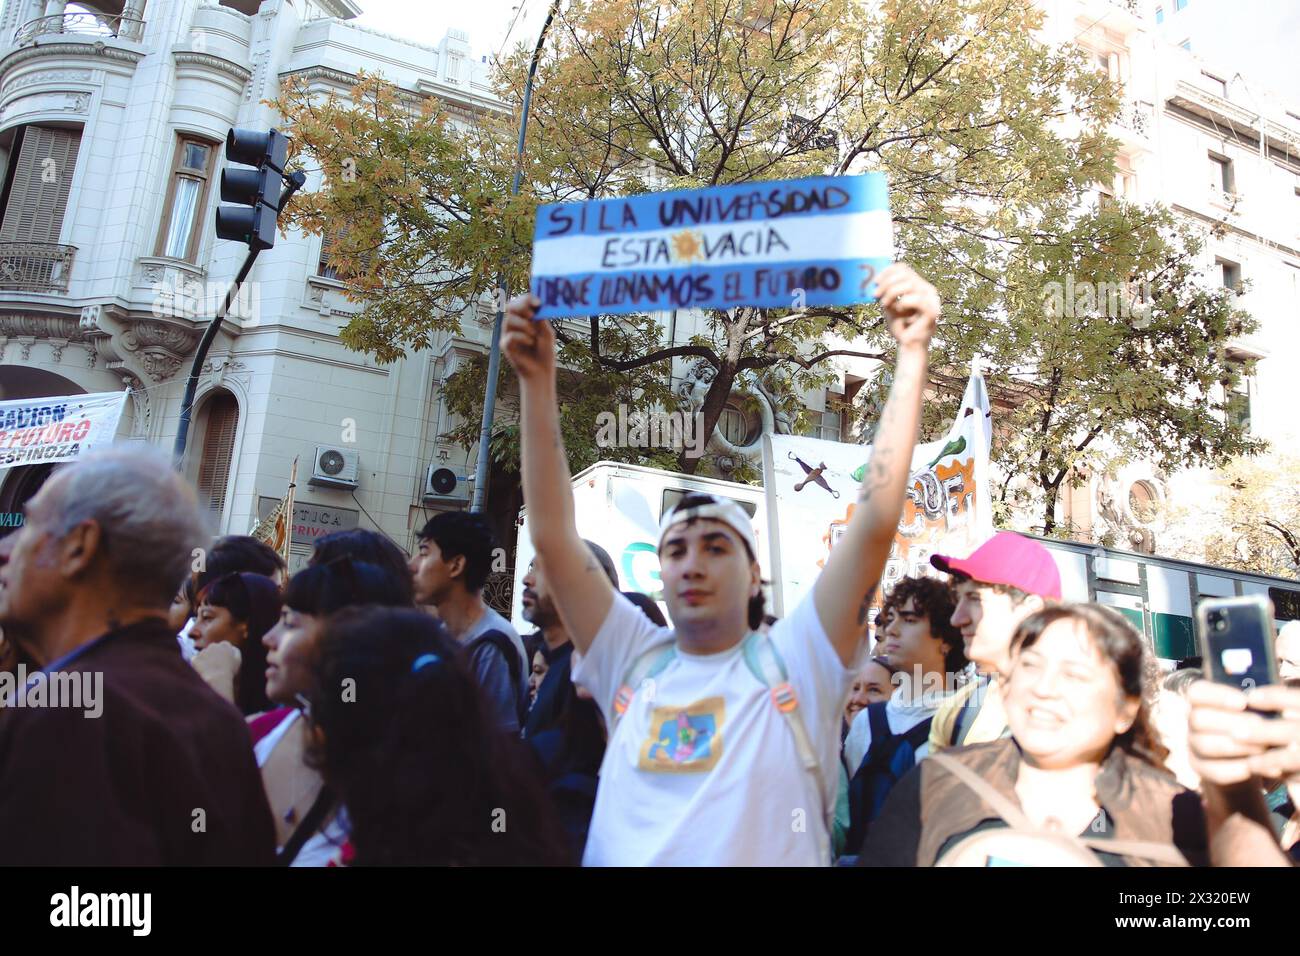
[[218, 450], [186, 199], [1160, 15], [832, 420], [36, 196], [1221, 175], [1180, 5], [734, 426], [1239, 403], [1186, 45], [1229, 273], [1215, 84], [327, 271]]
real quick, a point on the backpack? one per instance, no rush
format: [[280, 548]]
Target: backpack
[[888, 758], [506, 648], [1023, 844], [764, 662]]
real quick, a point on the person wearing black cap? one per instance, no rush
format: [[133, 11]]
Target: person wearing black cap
[[717, 731]]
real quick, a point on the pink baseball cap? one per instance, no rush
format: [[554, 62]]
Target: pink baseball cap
[[1011, 559]]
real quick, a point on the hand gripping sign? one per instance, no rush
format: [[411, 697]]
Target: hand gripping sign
[[789, 244]]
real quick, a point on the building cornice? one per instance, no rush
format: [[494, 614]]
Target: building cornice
[[1237, 231], [69, 50], [215, 63], [463, 106], [343, 9]]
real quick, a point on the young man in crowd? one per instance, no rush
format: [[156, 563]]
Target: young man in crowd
[[449, 570], [539, 610], [1006, 579], [149, 766], [724, 743], [886, 739]]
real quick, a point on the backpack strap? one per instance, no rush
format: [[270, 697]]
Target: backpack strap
[[1007, 809], [994, 798], [765, 664], [967, 711], [321, 807], [506, 648], [649, 665]]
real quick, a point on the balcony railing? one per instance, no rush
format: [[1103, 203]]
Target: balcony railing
[[80, 24], [35, 266]]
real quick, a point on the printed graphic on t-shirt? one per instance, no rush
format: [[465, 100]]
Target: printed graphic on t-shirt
[[684, 739]]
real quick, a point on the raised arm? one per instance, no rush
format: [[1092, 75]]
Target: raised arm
[[581, 591], [911, 307]]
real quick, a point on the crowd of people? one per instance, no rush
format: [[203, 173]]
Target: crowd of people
[[373, 709]]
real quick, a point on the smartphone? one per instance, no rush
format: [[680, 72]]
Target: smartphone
[[1237, 640]]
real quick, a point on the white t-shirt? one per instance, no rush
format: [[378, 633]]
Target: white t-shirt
[[704, 771], [901, 715]]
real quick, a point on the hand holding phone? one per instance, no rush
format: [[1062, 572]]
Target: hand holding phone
[[1237, 640]]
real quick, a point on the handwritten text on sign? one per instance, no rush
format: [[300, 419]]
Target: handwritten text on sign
[[803, 242]]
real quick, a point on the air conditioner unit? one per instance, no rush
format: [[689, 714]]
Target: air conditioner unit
[[443, 484], [335, 467]]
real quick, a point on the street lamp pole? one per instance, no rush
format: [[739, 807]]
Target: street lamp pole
[[494, 354]]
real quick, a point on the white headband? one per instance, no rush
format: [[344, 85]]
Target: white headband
[[716, 509]]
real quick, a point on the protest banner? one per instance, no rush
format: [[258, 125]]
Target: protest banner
[[788, 244], [812, 487], [48, 430]]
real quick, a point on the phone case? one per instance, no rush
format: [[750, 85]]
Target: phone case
[[1237, 640]]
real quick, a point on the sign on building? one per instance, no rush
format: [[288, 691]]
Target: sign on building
[[311, 522], [41, 431]]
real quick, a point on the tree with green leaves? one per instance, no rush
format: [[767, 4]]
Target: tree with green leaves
[[992, 142]]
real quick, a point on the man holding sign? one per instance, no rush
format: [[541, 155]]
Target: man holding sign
[[723, 742]]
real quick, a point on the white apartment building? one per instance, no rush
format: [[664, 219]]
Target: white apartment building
[[1225, 156]]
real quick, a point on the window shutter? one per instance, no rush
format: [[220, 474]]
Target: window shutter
[[325, 269], [218, 450], [36, 208]]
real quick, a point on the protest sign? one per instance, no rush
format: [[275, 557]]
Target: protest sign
[[47, 430], [789, 244], [812, 488]]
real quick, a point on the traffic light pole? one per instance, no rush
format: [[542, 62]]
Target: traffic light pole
[[494, 353], [295, 182]]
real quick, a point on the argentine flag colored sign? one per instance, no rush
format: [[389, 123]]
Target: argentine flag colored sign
[[812, 486], [789, 244]]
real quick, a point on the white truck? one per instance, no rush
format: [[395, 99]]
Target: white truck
[[619, 508]]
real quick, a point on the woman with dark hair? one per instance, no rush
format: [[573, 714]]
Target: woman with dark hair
[[310, 827], [370, 547], [1081, 779], [236, 611], [402, 732]]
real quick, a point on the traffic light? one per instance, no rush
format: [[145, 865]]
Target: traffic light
[[258, 188]]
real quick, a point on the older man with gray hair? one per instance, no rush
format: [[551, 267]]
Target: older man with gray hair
[[156, 768]]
